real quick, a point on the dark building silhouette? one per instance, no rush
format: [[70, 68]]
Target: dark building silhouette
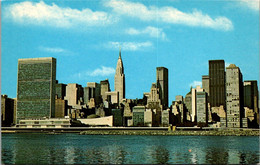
[[217, 83], [36, 88], [162, 84], [7, 111], [251, 95], [60, 90]]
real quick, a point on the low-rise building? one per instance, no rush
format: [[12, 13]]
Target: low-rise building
[[44, 123]]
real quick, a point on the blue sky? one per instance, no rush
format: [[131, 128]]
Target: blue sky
[[84, 37]]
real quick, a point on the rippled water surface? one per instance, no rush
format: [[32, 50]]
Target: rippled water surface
[[116, 149]]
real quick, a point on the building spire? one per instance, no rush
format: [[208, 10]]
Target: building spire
[[120, 51]]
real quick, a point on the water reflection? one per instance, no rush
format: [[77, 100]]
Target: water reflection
[[216, 156], [76, 149], [161, 155]]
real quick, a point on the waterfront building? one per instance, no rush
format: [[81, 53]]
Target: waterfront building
[[128, 114], [165, 118], [205, 83], [74, 95], [101, 121], [60, 90], [179, 112], [234, 96], [117, 117], [36, 88], [149, 117], [120, 78], [217, 83], [251, 95], [7, 111], [138, 115], [104, 87], [162, 85], [202, 107], [44, 123]]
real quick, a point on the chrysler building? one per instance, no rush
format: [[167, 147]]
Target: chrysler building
[[120, 78]]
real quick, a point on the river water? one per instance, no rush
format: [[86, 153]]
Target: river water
[[121, 149]]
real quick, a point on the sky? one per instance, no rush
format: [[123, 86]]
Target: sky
[[85, 36]]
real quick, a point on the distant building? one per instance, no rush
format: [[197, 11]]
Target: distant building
[[120, 78], [234, 96], [205, 83], [202, 107], [7, 111], [165, 118], [138, 115], [193, 105], [162, 84], [117, 117], [104, 87], [188, 105], [113, 97], [251, 95], [92, 91], [60, 90], [149, 118], [36, 88], [217, 83], [74, 94], [179, 98], [60, 108]]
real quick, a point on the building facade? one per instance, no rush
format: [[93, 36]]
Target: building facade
[[202, 107], [138, 115], [234, 96], [217, 83], [162, 84], [36, 88], [74, 94], [251, 95], [205, 83], [7, 111]]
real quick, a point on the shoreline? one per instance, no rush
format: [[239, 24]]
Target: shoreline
[[173, 133]]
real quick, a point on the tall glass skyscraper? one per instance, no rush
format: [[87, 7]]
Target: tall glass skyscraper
[[36, 88]]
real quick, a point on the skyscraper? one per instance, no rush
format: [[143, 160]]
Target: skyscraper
[[162, 84], [234, 96], [36, 88], [251, 95], [216, 83], [120, 78]]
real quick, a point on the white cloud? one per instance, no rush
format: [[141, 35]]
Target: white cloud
[[169, 15], [102, 71], [251, 4], [130, 46], [53, 49], [52, 15], [195, 83], [151, 31]]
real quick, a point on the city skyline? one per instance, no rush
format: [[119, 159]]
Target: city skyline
[[88, 52]]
